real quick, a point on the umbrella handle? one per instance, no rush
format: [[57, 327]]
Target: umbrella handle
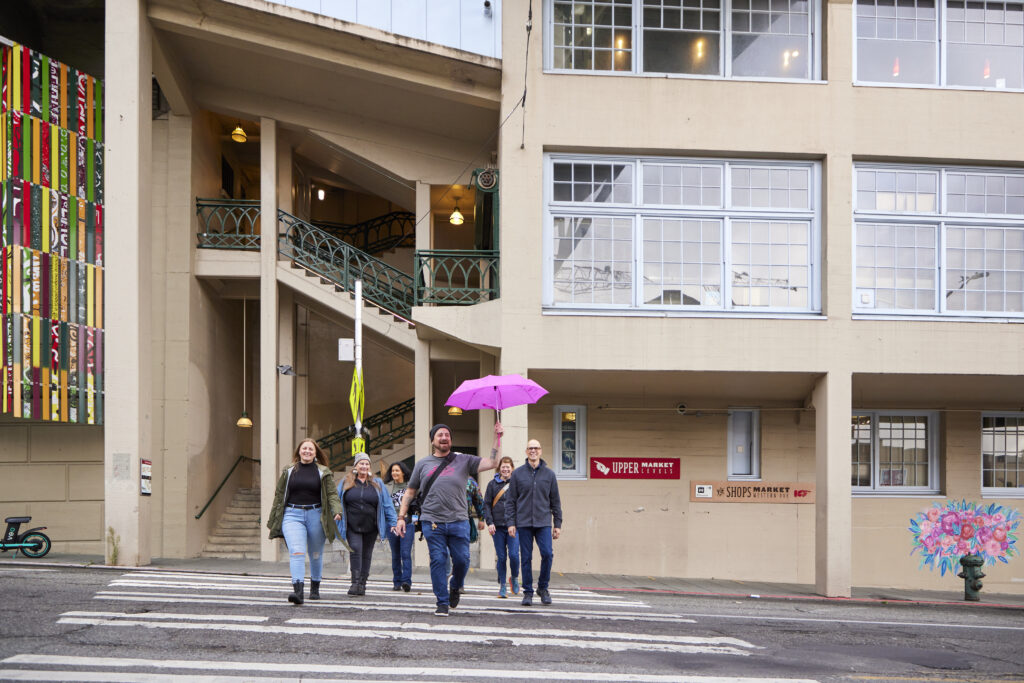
[[499, 420]]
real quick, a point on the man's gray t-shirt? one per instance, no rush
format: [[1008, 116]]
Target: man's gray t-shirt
[[446, 500]]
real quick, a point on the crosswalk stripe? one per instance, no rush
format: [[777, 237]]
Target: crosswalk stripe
[[500, 631], [609, 644], [363, 605], [392, 672], [170, 615], [470, 594]]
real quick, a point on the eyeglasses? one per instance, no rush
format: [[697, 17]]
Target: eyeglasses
[[533, 448]]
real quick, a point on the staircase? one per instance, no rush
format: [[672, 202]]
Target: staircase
[[237, 536]]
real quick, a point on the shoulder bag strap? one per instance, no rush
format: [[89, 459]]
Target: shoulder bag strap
[[500, 493], [444, 463]]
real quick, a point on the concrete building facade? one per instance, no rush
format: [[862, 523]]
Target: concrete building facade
[[766, 245]]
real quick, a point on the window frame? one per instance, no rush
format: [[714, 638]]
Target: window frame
[[582, 470], [942, 219], [637, 211], [755, 445], [814, 28], [941, 66], [997, 491], [931, 436]]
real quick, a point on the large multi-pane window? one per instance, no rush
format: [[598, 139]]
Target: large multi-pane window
[[685, 234], [893, 452], [939, 241], [1002, 453], [726, 38], [957, 43]]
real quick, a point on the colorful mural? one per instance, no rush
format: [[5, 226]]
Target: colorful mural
[[947, 531], [51, 240]]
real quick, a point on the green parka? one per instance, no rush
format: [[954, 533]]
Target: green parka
[[330, 504]]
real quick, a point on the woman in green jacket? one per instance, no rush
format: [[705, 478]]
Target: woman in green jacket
[[304, 504]]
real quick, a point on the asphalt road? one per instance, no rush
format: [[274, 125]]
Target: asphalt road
[[105, 625]]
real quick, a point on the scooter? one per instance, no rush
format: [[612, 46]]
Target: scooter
[[31, 543]]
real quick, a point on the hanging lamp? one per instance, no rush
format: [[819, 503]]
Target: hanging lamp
[[238, 134], [243, 421]]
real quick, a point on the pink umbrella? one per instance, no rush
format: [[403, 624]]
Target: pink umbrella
[[496, 392]]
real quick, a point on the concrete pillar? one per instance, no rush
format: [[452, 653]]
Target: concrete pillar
[[300, 381], [485, 429], [128, 420], [286, 384], [833, 527], [423, 384], [268, 424]]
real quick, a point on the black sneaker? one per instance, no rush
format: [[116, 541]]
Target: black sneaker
[[453, 597], [527, 599], [406, 587], [396, 587], [545, 597], [441, 611]]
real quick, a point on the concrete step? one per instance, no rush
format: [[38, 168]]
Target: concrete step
[[231, 542], [242, 509], [238, 524], [231, 547], [230, 555], [247, 532], [246, 518]]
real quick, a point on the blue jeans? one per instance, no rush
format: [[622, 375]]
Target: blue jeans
[[401, 556], [304, 534], [502, 543], [453, 538], [527, 535]]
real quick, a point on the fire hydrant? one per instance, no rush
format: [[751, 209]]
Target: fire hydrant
[[972, 576]]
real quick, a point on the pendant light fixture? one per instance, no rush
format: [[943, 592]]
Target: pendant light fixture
[[456, 218], [243, 421], [238, 134]]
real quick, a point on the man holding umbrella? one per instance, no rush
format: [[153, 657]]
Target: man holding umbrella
[[443, 516]]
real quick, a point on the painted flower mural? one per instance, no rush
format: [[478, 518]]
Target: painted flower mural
[[947, 531]]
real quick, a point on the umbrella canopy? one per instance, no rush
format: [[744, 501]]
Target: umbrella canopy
[[496, 392]]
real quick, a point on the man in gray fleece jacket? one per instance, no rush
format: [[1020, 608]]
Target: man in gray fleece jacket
[[530, 505]]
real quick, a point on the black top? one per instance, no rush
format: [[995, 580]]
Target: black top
[[304, 485], [361, 503]]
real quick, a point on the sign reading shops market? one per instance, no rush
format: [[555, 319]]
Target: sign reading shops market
[[634, 468], [751, 492]]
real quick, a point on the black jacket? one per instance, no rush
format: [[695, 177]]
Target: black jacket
[[495, 514], [532, 499]]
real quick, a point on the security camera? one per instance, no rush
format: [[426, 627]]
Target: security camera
[[681, 408]]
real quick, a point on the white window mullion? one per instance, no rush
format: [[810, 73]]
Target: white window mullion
[[940, 260], [638, 37], [638, 260], [725, 26], [726, 264], [940, 16]]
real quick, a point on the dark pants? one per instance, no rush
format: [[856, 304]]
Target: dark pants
[[401, 556], [527, 535], [503, 544], [447, 539], [362, 551]]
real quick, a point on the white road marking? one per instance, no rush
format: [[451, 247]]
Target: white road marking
[[277, 587], [392, 672], [842, 621], [168, 615], [507, 608], [4, 570], [389, 633], [501, 631]]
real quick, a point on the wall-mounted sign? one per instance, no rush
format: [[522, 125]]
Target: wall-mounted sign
[[751, 492], [634, 468], [146, 477]]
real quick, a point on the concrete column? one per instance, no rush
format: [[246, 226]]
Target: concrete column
[[424, 219], [268, 424], [485, 428], [300, 381], [286, 384], [833, 527], [128, 420], [423, 384]]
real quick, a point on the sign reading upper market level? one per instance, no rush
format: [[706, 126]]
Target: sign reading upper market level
[[634, 468], [751, 492]]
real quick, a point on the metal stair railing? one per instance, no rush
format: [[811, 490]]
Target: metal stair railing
[[338, 261], [229, 223], [377, 234], [456, 276], [386, 427]]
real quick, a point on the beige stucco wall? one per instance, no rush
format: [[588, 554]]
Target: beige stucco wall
[[54, 473]]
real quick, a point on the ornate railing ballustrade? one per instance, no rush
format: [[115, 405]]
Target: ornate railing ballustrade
[[458, 277], [377, 235], [338, 261], [389, 426], [229, 223]]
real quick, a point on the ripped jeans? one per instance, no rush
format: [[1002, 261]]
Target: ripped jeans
[[304, 534]]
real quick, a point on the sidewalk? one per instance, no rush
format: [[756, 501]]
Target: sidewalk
[[709, 588]]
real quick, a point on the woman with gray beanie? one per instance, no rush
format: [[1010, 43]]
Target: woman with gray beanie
[[367, 516]]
